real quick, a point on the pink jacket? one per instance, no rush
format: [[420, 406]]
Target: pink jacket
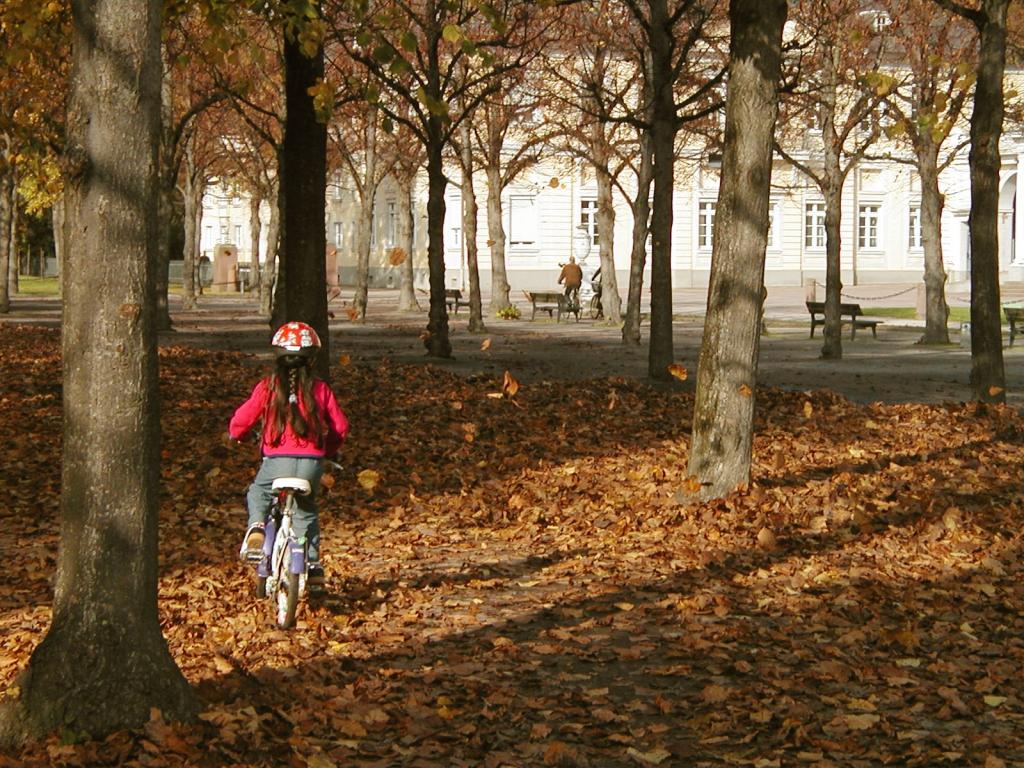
[[252, 410]]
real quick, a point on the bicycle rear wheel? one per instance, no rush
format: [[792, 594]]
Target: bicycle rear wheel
[[286, 601]]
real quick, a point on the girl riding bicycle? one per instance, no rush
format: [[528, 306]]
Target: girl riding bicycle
[[301, 425]]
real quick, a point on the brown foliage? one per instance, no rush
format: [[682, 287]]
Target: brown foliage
[[528, 585]]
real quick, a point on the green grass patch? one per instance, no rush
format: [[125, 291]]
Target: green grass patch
[[38, 286], [956, 314]]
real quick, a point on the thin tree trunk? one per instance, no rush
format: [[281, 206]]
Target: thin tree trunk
[[59, 222], [936, 329], [6, 184], [436, 338], [302, 273], [165, 194], [663, 132], [832, 349], [600, 151], [161, 275], [268, 277], [255, 229], [611, 302], [988, 377], [641, 208], [469, 225], [364, 224], [406, 234], [104, 664], [723, 416], [496, 241], [193, 228], [14, 260]]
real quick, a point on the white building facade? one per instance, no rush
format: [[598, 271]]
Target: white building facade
[[543, 210]]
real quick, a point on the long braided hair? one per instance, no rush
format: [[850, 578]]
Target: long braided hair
[[291, 402]]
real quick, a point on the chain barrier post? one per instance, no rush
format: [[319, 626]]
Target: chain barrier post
[[811, 289]]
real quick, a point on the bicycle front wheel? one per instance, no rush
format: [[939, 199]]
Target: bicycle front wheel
[[287, 599], [595, 307]]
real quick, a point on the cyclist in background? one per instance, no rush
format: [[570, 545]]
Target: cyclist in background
[[301, 424], [572, 276]]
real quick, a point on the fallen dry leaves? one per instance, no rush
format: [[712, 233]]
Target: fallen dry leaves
[[526, 583]]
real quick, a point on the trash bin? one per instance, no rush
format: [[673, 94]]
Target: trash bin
[[205, 272], [244, 277]]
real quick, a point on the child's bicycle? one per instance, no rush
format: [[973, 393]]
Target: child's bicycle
[[281, 572]]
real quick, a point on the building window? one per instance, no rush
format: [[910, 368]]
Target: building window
[[773, 225], [705, 224], [867, 226], [588, 219], [914, 238], [391, 224], [238, 234], [339, 234], [814, 225], [522, 220], [224, 232]]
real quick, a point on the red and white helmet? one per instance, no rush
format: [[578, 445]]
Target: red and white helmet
[[296, 338]]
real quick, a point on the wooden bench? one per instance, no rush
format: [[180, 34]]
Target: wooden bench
[[453, 298], [1014, 315], [853, 311], [552, 302]]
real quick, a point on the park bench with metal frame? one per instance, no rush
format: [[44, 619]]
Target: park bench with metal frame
[[552, 302], [453, 299], [853, 311], [1014, 315]]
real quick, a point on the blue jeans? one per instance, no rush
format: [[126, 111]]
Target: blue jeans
[[306, 518]]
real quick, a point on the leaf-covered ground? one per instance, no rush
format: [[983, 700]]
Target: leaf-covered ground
[[522, 582]]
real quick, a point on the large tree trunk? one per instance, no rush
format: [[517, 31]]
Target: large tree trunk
[[496, 241], [365, 223], [641, 208], [103, 664], [723, 417], [936, 329], [406, 234], [470, 216], [988, 377], [301, 292], [663, 133]]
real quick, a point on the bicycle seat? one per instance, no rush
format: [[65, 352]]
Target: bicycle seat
[[297, 484]]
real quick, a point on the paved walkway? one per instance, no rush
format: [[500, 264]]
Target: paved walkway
[[891, 368]]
